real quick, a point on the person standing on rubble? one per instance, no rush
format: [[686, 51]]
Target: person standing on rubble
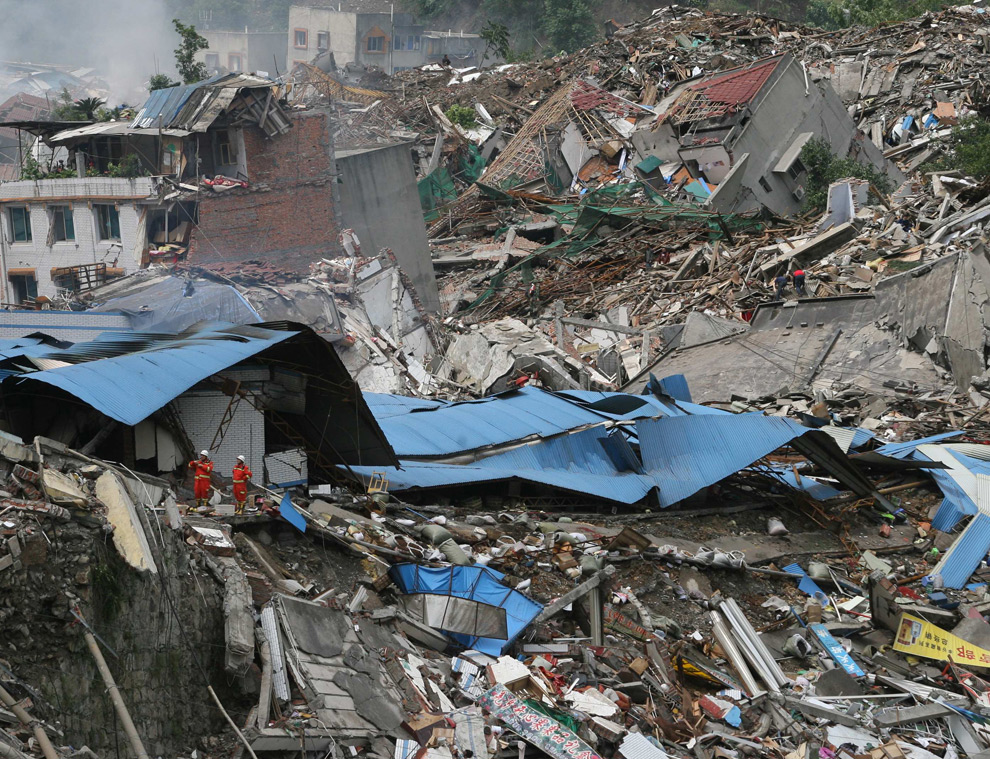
[[779, 285], [202, 473], [445, 62], [799, 283], [242, 475]]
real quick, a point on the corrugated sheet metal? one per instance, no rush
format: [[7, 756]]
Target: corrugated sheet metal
[[688, 453], [163, 105], [386, 405], [964, 556], [904, 450], [577, 463], [129, 386], [499, 419]]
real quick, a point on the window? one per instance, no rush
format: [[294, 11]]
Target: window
[[61, 228], [212, 61], [24, 284], [301, 38], [234, 62], [322, 40], [376, 44], [108, 222], [407, 42], [765, 185], [226, 155], [20, 223], [796, 169]]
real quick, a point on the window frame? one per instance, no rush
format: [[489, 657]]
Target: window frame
[[305, 39], [326, 37], [369, 49], [231, 57], [68, 226], [796, 169], [13, 279], [28, 236], [215, 63], [110, 222]]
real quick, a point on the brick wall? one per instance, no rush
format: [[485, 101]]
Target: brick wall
[[287, 214]]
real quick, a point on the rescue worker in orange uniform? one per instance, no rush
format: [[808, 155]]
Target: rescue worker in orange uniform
[[242, 475], [202, 471]]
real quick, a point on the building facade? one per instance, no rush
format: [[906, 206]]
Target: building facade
[[739, 134], [55, 231], [382, 38], [236, 52]]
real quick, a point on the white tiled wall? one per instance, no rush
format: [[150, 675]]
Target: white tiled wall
[[71, 326], [201, 413], [87, 248]]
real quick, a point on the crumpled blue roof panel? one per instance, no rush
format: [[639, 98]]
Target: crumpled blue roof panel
[[387, 405], [469, 425], [130, 386], [475, 583], [964, 556], [686, 454], [905, 449]]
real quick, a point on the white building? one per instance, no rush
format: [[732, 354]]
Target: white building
[[69, 224]]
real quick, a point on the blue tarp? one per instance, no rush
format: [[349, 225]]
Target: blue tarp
[[475, 583]]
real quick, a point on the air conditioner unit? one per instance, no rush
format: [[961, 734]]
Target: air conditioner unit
[[799, 193]]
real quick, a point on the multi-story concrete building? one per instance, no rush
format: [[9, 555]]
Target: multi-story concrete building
[[373, 33], [244, 51], [148, 191]]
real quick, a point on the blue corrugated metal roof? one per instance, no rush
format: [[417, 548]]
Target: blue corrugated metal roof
[[681, 456], [577, 463], [162, 106], [686, 454], [964, 556], [904, 450], [387, 405], [130, 376], [459, 427], [646, 406]]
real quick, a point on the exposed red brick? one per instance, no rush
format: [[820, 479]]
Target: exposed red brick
[[287, 214]]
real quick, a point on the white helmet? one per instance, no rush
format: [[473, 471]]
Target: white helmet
[[204, 453], [240, 458]]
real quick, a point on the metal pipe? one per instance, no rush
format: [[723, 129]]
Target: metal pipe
[[760, 647], [725, 640], [118, 701], [28, 721]]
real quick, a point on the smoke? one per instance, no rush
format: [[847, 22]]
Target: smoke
[[126, 41]]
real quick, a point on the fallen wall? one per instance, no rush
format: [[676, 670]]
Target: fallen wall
[[379, 201]]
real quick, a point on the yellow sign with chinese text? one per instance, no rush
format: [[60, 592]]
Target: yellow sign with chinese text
[[917, 637]]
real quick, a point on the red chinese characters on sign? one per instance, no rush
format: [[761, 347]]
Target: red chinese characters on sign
[[536, 728]]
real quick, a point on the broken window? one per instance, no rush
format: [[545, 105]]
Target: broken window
[[235, 62], [796, 169], [212, 61], [322, 40], [60, 227], [20, 223], [376, 44], [107, 222], [24, 285], [301, 38], [765, 185], [226, 153]]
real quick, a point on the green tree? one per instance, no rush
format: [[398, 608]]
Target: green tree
[[496, 37], [967, 150], [837, 14], [64, 108], [191, 43], [161, 82], [87, 108], [824, 167], [569, 24]]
